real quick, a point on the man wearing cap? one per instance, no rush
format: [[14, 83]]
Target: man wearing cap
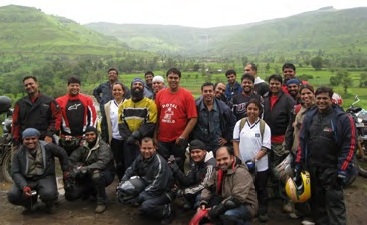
[[137, 118], [103, 93], [78, 112], [201, 169], [293, 86], [215, 120], [35, 110], [93, 170], [158, 84], [33, 172]]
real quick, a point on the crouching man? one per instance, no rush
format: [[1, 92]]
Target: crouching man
[[201, 170], [147, 183], [33, 172], [229, 196], [93, 170]]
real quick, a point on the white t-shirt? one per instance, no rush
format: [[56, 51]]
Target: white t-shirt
[[114, 107], [250, 142]]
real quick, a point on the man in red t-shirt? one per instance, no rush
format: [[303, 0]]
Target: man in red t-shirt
[[177, 116]]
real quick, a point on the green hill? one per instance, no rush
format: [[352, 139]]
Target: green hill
[[326, 29], [26, 29]]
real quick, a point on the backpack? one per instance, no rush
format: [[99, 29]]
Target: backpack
[[262, 126]]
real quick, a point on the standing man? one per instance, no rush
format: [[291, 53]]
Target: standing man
[[293, 87], [93, 170], [219, 90], [229, 194], [176, 109], [37, 111], [261, 87], [78, 113], [148, 86], [158, 84], [33, 172], [289, 72], [232, 87], [240, 100], [148, 182], [215, 121], [137, 118], [103, 93], [278, 110], [327, 145]]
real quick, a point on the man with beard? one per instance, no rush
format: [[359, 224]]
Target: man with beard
[[215, 120], [148, 86], [229, 195], [293, 86], [92, 169], [78, 112], [177, 117], [261, 87], [219, 90], [37, 111], [137, 119], [103, 93], [240, 100]]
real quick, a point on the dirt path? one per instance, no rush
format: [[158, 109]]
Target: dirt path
[[82, 212]]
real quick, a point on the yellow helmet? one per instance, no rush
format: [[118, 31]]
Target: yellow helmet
[[299, 193]]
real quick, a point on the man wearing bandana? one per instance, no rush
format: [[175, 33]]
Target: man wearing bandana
[[137, 119]]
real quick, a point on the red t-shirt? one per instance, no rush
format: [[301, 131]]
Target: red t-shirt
[[174, 111]]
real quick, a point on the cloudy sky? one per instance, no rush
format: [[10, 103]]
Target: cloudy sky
[[193, 13]]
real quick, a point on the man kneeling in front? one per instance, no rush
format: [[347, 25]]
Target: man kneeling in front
[[147, 183]]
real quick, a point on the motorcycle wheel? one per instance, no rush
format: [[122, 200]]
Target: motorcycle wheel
[[6, 166], [362, 160]]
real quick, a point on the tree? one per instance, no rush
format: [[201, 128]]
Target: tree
[[342, 77], [316, 63], [267, 67], [363, 80]]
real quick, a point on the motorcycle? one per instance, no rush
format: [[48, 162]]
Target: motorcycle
[[6, 144], [360, 119]]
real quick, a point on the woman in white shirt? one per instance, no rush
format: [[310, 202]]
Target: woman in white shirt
[[109, 127], [251, 143]]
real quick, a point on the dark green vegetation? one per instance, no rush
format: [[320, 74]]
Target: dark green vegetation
[[328, 47]]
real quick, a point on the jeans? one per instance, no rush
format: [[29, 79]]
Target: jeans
[[166, 149], [46, 189]]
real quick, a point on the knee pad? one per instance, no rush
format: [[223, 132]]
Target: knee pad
[[96, 175]]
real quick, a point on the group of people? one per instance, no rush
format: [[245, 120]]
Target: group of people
[[236, 136]]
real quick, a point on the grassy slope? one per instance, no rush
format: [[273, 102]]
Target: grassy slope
[[27, 29], [335, 30]]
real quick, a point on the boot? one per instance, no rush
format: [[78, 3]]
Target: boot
[[100, 208], [50, 207]]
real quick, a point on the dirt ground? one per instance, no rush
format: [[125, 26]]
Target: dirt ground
[[81, 212]]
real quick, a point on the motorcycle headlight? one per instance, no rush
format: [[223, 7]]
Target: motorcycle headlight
[[359, 120]]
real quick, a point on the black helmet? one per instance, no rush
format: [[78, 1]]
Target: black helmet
[[5, 104]]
